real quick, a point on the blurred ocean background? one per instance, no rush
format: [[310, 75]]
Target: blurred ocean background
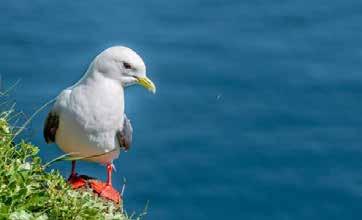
[[258, 110]]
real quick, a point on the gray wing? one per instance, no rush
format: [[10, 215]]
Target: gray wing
[[124, 136], [50, 127]]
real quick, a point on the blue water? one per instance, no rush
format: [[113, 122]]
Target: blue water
[[258, 110]]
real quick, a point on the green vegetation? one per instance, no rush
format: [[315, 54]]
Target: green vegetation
[[27, 191]]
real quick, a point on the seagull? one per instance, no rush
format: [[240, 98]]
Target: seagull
[[88, 119]]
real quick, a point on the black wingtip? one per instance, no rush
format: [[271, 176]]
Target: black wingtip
[[50, 127]]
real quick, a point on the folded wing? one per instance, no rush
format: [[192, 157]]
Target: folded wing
[[124, 136]]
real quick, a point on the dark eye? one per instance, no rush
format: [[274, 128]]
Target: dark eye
[[127, 65]]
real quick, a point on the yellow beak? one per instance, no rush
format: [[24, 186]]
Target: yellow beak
[[147, 83]]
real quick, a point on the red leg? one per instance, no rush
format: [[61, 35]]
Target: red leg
[[105, 189], [75, 180], [73, 168], [109, 174]]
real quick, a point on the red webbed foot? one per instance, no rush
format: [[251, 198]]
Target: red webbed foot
[[105, 190], [76, 181]]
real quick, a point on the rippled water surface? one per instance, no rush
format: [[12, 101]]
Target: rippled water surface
[[258, 110]]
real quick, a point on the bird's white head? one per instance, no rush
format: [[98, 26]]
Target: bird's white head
[[124, 65]]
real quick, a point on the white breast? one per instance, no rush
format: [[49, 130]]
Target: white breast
[[89, 116]]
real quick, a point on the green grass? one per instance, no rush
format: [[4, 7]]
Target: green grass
[[27, 191]]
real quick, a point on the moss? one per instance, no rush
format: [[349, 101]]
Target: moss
[[27, 191]]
